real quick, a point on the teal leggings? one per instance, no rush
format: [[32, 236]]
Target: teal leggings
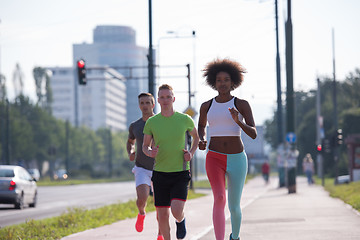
[[235, 167]]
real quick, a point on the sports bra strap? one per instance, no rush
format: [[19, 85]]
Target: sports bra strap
[[209, 105], [211, 100]]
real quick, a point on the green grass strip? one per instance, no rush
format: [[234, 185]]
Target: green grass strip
[[80, 219], [76, 220], [48, 182], [349, 193]]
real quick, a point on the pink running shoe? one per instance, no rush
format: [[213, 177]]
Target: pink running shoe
[[160, 237], [139, 225]]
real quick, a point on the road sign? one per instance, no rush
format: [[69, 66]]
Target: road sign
[[291, 137], [190, 111]]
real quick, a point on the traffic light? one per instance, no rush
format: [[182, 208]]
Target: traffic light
[[319, 148], [81, 69], [326, 144], [339, 137]]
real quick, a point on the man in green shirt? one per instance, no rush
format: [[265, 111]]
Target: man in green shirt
[[166, 131]]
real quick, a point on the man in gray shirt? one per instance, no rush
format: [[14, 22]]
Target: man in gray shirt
[[143, 164]]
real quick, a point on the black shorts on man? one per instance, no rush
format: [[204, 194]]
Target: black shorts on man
[[170, 186]]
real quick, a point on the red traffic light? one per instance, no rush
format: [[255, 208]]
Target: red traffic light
[[81, 64], [81, 70], [319, 147]]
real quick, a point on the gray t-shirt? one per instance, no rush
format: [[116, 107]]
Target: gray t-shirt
[[136, 132]]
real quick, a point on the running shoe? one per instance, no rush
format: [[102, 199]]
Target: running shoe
[[231, 237], [180, 229], [139, 225], [160, 237]]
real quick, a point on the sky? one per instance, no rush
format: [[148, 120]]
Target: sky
[[40, 33]]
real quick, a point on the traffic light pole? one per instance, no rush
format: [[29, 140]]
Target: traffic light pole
[[76, 100], [319, 157]]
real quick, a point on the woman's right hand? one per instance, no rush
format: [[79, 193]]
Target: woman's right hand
[[202, 144]]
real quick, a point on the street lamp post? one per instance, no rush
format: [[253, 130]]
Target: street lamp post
[[150, 55], [172, 36], [335, 118], [193, 35]]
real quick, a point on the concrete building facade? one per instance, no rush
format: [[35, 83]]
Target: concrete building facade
[[101, 103], [105, 101], [115, 46]]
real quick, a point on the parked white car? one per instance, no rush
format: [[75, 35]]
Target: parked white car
[[17, 186]]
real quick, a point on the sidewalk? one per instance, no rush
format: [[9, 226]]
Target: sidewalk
[[268, 213], [310, 214]]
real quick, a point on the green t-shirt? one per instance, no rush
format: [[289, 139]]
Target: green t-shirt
[[169, 134]]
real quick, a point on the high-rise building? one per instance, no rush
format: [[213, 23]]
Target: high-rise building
[[115, 46], [104, 101], [100, 103], [62, 85]]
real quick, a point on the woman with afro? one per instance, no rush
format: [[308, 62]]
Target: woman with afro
[[227, 116]]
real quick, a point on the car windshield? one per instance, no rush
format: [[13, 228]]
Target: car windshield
[[6, 173]]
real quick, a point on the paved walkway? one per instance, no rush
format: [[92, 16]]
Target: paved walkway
[[269, 213]]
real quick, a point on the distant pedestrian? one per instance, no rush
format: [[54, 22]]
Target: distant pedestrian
[[265, 170], [226, 156], [143, 164], [164, 140], [308, 168]]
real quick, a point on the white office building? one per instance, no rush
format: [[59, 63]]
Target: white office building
[[115, 46], [62, 86], [101, 102], [105, 101]]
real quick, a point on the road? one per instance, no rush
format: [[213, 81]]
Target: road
[[53, 201]]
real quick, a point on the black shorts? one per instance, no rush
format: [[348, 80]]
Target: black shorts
[[170, 186]]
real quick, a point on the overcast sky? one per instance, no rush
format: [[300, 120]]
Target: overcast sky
[[41, 33]]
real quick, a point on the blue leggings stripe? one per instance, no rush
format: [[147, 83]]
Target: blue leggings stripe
[[236, 170]]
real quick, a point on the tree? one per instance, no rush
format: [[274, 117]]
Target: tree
[[348, 92], [350, 122], [2, 87], [37, 137], [43, 88]]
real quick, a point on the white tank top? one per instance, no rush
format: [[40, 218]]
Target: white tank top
[[220, 121]]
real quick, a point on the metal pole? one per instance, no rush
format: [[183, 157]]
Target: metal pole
[[189, 83], [280, 129], [194, 64], [67, 159], [336, 147], [290, 111], [278, 81], [110, 153], [150, 56], [290, 123], [7, 134], [187, 134], [76, 101], [3, 127], [319, 158]]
